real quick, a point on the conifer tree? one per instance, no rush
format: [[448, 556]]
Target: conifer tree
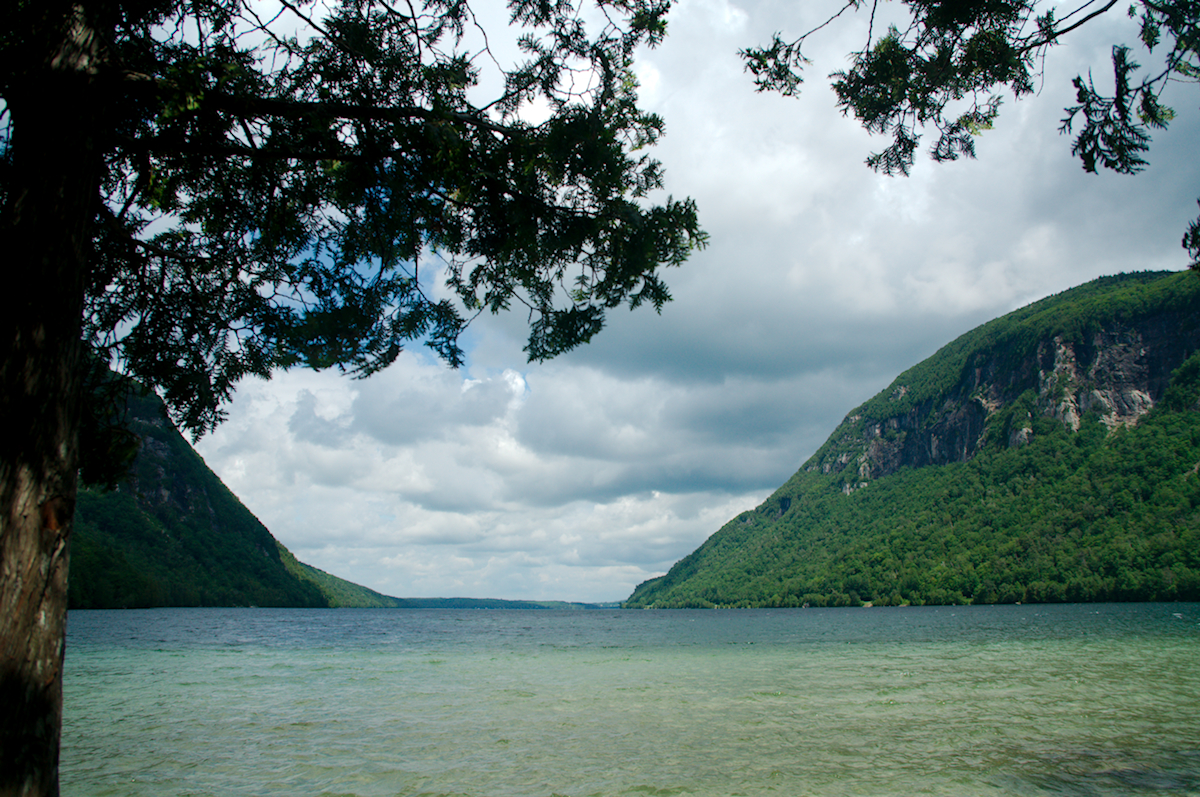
[[192, 193], [947, 68]]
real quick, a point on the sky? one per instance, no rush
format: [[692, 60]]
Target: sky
[[579, 478]]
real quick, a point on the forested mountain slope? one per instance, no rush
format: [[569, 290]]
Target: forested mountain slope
[[173, 535], [1049, 455]]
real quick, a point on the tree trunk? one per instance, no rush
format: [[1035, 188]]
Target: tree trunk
[[52, 187]]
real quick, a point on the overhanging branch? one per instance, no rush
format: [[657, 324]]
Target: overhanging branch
[[298, 109], [1052, 38]]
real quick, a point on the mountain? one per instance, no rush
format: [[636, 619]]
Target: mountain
[[1049, 455], [172, 534]]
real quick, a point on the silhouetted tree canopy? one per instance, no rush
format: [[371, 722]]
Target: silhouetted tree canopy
[[949, 66], [195, 192], [294, 188]]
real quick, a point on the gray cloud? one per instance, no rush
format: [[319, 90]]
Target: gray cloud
[[406, 406], [577, 479]]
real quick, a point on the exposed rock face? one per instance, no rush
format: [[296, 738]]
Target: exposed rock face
[[1119, 372], [1042, 513]]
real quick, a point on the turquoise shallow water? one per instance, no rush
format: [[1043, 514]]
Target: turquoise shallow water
[[1006, 700]]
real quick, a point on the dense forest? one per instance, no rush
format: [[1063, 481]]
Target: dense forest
[[1037, 505]]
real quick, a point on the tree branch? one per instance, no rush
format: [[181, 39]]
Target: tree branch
[[297, 109], [1050, 40]]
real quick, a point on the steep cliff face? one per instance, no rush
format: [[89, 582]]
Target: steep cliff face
[[1052, 454], [173, 535], [1118, 370]]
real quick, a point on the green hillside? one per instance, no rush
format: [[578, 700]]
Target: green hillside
[[1019, 463], [173, 535], [338, 593]]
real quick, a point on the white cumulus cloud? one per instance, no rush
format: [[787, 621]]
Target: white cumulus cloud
[[578, 478]]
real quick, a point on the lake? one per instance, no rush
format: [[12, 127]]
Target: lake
[[984, 700]]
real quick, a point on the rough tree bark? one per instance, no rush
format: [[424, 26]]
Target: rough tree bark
[[45, 240]]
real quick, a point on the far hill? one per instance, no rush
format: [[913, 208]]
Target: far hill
[[1049, 455], [172, 534]]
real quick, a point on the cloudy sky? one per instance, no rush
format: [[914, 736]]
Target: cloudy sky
[[579, 478]]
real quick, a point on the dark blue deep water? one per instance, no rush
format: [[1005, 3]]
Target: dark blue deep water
[[987, 700]]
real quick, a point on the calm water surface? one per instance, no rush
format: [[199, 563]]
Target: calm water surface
[[1005, 700]]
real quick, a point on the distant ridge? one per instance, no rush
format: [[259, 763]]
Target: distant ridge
[[344, 594], [1049, 455], [496, 603], [172, 534]]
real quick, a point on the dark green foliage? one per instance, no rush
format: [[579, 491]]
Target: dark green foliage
[[107, 447], [273, 191], [948, 67], [1184, 391], [1110, 136], [173, 535], [1086, 515]]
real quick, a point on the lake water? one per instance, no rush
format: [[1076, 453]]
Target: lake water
[[989, 700]]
